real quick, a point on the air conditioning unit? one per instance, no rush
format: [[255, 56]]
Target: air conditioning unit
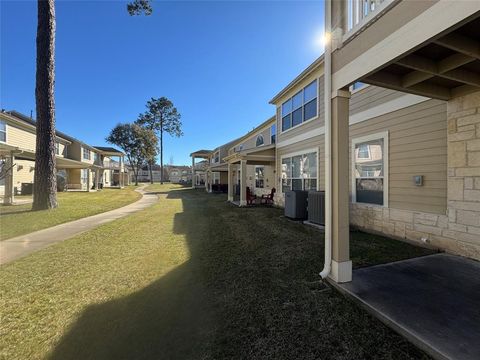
[[316, 207], [296, 204]]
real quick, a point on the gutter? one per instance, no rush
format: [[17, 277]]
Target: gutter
[[328, 139]]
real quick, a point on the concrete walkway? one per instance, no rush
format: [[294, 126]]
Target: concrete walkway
[[23, 245], [434, 301]]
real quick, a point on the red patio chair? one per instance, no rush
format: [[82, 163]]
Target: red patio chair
[[250, 197], [268, 199]]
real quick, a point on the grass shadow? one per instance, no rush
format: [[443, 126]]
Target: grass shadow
[[245, 293]]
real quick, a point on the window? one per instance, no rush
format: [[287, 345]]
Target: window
[[3, 131], [301, 107], [86, 154], [273, 133], [240, 148], [370, 169], [57, 148], [360, 9], [216, 178], [217, 157], [95, 157], [299, 172], [259, 141], [84, 176], [259, 177]]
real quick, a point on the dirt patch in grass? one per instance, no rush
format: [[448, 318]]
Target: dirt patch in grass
[[192, 277]]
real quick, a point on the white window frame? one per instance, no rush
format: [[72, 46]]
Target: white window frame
[[304, 121], [257, 138], [89, 153], [263, 178], [377, 136], [215, 157], [6, 132], [296, 153]]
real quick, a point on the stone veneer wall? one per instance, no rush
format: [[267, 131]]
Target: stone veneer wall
[[402, 224], [464, 175], [459, 231]]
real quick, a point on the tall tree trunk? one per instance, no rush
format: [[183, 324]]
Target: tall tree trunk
[[45, 177], [150, 165], [161, 154]]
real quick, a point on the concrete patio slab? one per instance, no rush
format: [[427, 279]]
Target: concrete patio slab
[[434, 301], [23, 245]]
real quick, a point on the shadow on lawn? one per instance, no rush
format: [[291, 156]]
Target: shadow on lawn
[[245, 293]]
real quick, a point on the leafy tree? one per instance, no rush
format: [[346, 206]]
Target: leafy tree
[[45, 177], [139, 144], [161, 117], [137, 7]]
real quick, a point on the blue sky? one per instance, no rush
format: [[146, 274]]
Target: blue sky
[[219, 62]]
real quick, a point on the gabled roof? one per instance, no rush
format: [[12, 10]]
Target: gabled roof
[[312, 67], [253, 131], [29, 121]]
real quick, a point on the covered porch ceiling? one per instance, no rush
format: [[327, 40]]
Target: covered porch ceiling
[[444, 67], [258, 156]]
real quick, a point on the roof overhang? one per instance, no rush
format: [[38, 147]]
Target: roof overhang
[[305, 73], [445, 66], [264, 155], [203, 154]]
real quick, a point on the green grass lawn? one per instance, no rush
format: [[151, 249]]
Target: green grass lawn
[[192, 277], [20, 219]]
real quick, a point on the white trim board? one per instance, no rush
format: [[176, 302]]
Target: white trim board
[[387, 107], [382, 109], [379, 135]]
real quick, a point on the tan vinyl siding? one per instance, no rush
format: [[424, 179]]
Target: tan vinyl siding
[[20, 137], [309, 125], [23, 173], [251, 143], [371, 96], [417, 146]]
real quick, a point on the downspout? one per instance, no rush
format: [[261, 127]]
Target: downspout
[[328, 138]]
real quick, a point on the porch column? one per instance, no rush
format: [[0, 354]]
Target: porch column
[[341, 264], [88, 178], [120, 173], [9, 196], [243, 183], [230, 182], [193, 172], [97, 178]]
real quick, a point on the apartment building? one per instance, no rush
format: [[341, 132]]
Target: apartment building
[[80, 167]]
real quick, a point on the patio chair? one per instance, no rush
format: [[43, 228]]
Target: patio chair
[[251, 198], [268, 198]]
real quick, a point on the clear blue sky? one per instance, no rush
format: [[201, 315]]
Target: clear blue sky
[[219, 62]]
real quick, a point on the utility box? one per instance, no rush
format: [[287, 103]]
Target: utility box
[[296, 204], [316, 207]]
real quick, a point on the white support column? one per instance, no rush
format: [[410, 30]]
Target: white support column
[[97, 178], [230, 182], [88, 178], [120, 175], [193, 172], [9, 196], [243, 183]]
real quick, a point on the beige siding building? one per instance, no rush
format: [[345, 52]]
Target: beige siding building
[[80, 167]]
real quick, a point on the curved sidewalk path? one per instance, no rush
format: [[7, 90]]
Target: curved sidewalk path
[[17, 247]]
